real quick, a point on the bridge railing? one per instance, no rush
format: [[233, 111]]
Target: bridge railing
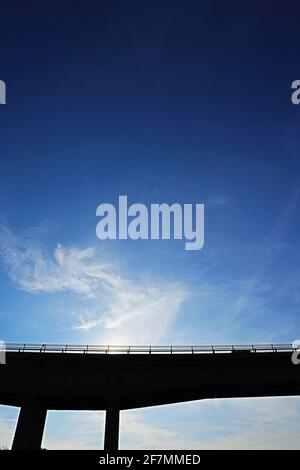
[[119, 349]]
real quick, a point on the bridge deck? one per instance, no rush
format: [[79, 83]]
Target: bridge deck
[[40, 377]]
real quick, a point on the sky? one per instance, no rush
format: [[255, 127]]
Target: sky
[[168, 101]]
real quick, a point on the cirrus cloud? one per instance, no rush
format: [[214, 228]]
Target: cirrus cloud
[[123, 309]]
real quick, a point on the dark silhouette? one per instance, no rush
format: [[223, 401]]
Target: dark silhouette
[[38, 377]]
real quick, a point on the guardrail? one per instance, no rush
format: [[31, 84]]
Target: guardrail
[[115, 349]]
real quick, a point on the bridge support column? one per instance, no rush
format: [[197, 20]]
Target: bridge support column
[[112, 418], [30, 427]]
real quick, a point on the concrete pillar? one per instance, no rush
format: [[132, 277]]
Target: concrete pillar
[[30, 427], [112, 418]]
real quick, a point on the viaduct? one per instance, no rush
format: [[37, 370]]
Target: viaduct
[[38, 378]]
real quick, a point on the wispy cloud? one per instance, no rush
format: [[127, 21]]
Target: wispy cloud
[[8, 418], [250, 423], [288, 212], [260, 423], [87, 429], [257, 284], [123, 309], [69, 269]]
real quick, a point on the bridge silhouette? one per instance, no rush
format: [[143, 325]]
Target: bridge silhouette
[[40, 377]]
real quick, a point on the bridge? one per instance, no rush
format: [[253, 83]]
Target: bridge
[[41, 377]]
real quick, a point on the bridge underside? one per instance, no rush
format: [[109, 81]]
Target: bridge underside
[[37, 382]]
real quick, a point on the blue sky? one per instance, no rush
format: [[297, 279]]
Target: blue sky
[[163, 102]]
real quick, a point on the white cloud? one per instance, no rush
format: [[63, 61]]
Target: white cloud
[[85, 430], [246, 423], [122, 309], [70, 269], [260, 423], [8, 418], [74, 430], [141, 434]]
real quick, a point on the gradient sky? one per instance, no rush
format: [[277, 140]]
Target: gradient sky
[[165, 101]]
